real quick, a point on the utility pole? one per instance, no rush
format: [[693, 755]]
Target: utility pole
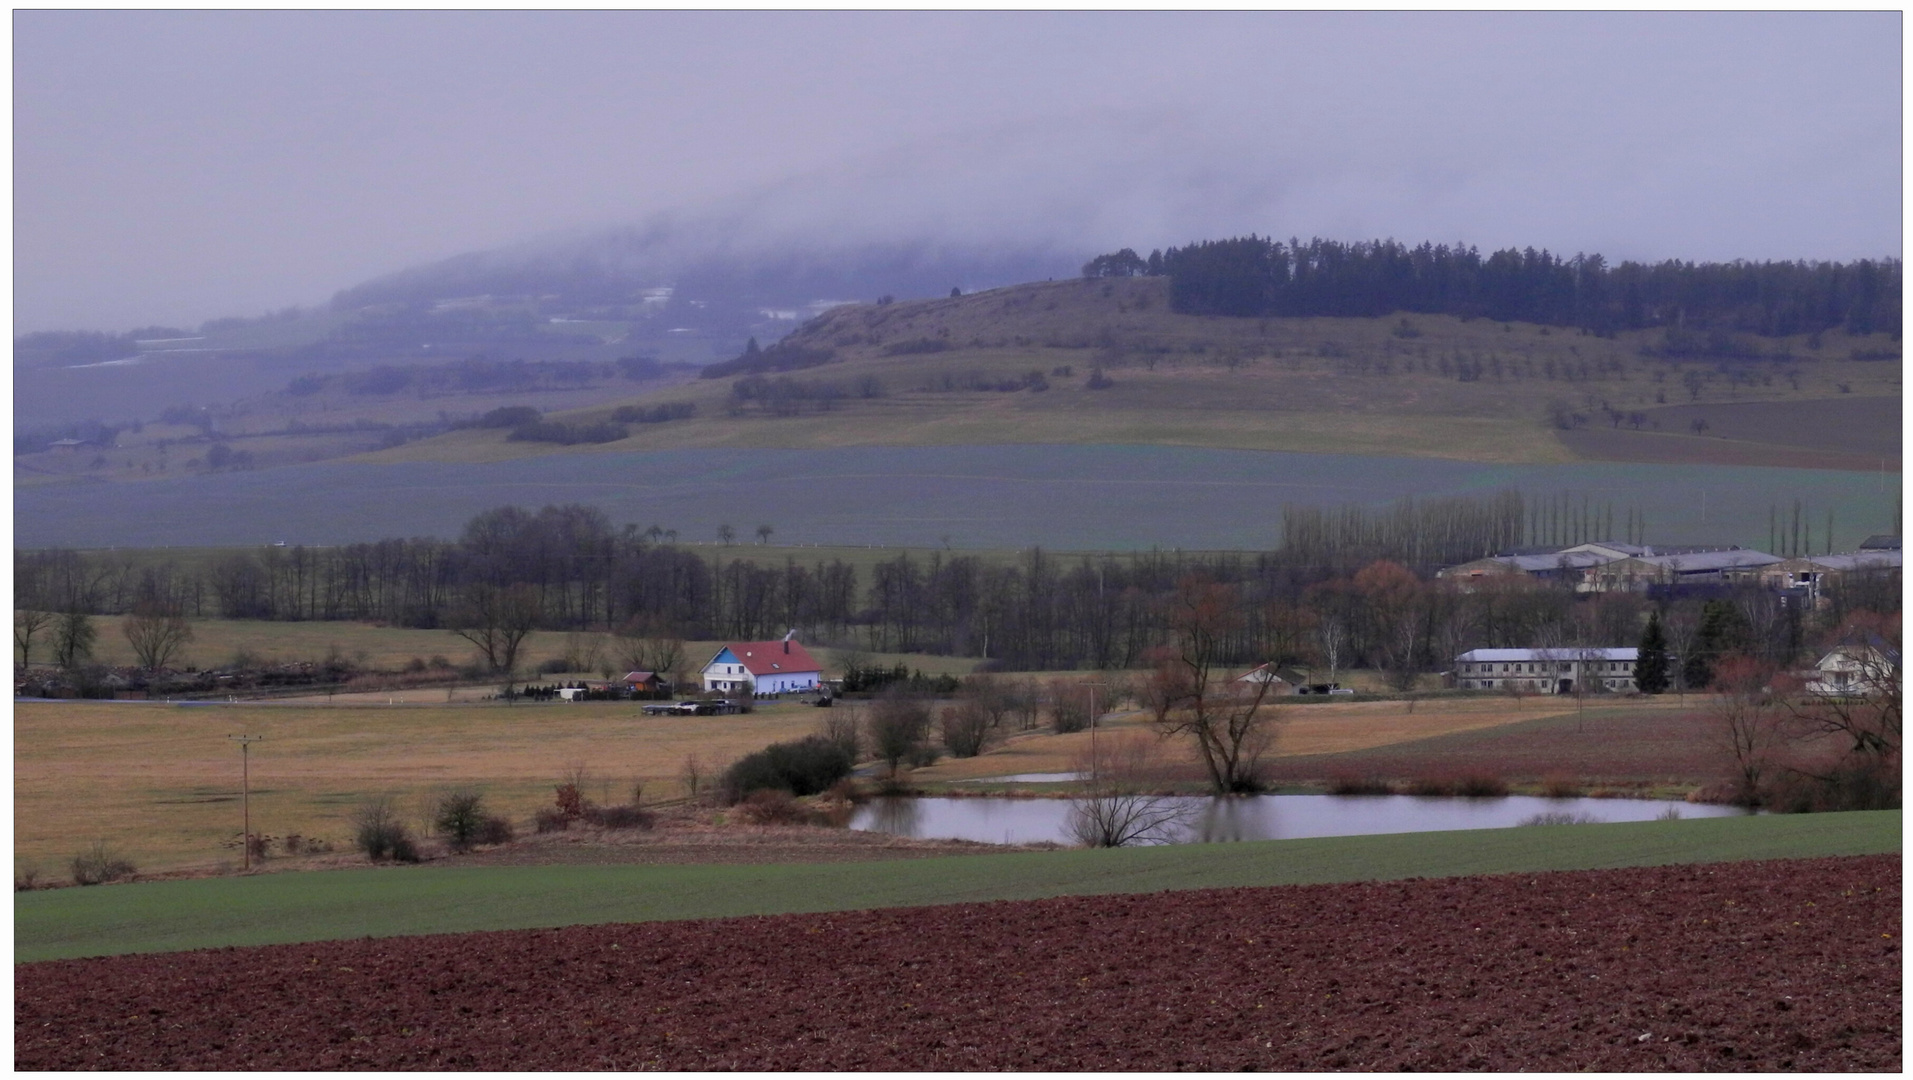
[[1095, 760], [245, 792]]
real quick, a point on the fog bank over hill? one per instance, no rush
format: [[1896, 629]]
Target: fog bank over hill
[[175, 166]]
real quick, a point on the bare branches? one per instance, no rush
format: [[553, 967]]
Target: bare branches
[[1118, 807], [1230, 722]]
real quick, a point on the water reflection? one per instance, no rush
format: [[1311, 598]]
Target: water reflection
[[1262, 817]]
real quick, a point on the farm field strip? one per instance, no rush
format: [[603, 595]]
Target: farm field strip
[[270, 908], [1637, 969], [160, 783], [1066, 496]]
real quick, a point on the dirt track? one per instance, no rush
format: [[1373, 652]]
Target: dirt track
[[1783, 965]]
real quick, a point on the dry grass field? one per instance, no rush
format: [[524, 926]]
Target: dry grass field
[[160, 783], [1302, 731]]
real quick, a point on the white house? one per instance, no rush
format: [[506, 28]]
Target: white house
[[1858, 670], [1547, 671], [770, 667]]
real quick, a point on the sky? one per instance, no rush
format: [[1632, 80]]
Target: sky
[[171, 167]]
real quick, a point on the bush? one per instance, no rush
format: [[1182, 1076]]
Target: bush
[[1560, 786], [773, 807], [1359, 785], [1480, 786], [1562, 817], [459, 816], [807, 766], [550, 819], [494, 830], [619, 817], [379, 833], [25, 878], [98, 865]]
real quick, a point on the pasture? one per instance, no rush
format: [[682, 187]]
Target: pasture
[[160, 783], [264, 909]]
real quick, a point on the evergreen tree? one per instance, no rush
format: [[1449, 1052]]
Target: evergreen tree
[[1650, 667], [1723, 630]]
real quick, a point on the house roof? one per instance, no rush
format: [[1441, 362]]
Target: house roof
[[762, 658], [1565, 652], [1880, 542], [641, 676]]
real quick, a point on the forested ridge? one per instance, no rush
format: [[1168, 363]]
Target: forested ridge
[[1259, 276]]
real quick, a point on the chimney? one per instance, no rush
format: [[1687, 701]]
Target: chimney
[[787, 638]]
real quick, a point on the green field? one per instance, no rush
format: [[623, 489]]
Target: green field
[[284, 908]]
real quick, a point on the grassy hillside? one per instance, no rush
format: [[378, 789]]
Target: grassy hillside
[[205, 913], [941, 372]]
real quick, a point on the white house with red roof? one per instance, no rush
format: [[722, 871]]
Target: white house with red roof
[[771, 667]]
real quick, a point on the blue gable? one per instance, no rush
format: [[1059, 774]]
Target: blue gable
[[724, 656]]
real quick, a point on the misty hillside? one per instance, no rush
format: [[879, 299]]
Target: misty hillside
[[672, 297]]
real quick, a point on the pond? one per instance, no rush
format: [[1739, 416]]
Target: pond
[[1261, 817]]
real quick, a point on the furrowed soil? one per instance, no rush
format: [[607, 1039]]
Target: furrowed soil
[[1779, 965]]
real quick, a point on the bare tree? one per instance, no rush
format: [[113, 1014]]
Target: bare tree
[[1231, 722], [1748, 722], [966, 727], [497, 621], [895, 727], [73, 638], [27, 625], [1681, 624], [646, 647], [1068, 705], [156, 631], [1120, 805]]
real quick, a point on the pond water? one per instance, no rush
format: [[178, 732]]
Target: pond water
[[1261, 817]]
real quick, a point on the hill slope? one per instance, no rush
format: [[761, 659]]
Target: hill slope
[[1106, 361]]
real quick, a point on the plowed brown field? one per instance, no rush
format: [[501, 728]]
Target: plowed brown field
[[1781, 965]]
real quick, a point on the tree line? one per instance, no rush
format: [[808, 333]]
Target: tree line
[[1260, 276], [1348, 587]]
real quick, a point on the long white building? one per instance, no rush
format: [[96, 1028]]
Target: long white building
[[1548, 671]]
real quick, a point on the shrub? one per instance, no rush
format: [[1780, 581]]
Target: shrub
[[494, 830], [25, 877], [1480, 786], [1560, 786], [773, 807], [805, 767], [99, 864], [1562, 817], [619, 817], [549, 820], [1349, 784], [379, 833], [1430, 785], [459, 816]]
